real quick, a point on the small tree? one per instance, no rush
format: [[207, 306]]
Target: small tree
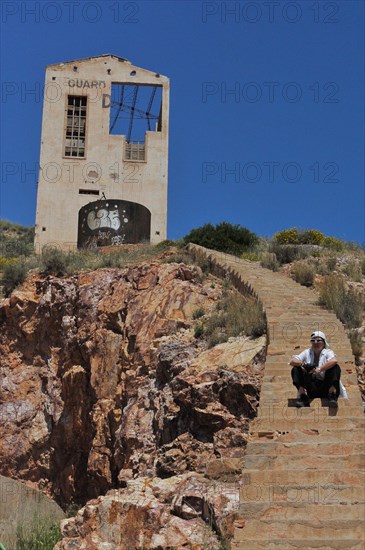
[[225, 237]]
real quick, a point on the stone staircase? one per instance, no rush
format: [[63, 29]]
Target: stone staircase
[[303, 481]]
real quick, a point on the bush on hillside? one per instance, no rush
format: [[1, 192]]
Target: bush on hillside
[[303, 274], [299, 236], [287, 236], [15, 240], [333, 243], [13, 276], [347, 304], [356, 344], [270, 261], [331, 263], [311, 236], [166, 244], [54, 261], [288, 253], [235, 315], [296, 236], [225, 237], [353, 270]]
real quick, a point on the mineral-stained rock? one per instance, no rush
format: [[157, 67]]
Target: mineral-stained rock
[[103, 385], [180, 512]]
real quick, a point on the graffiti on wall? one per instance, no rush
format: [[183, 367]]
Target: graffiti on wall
[[113, 222]]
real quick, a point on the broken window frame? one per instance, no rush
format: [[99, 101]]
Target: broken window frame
[[134, 149], [75, 126]]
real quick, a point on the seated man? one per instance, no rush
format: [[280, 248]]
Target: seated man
[[315, 372]]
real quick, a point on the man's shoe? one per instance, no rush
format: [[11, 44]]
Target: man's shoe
[[303, 401], [332, 400]]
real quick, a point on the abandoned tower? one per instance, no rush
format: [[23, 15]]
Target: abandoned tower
[[104, 155]]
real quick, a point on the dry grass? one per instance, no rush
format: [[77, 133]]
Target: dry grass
[[235, 315], [347, 304], [303, 273]]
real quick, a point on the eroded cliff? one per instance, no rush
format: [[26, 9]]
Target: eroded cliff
[[104, 386]]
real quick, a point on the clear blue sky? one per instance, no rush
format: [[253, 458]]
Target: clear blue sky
[[267, 104]]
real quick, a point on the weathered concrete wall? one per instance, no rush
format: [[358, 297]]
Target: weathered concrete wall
[[103, 168], [21, 506]]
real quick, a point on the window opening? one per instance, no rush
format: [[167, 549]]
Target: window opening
[[75, 126], [88, 192], [135, 109]]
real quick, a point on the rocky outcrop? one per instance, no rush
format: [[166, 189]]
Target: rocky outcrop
[[102, 383], [184, 511]]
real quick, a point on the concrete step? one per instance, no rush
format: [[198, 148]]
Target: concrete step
[[276, 394], [289, 400], [288, 387], [273, 543], [311, 436], [303, 530], [300, 511], [282, 368], [293, 336], [342, 357], [319, 408], [290, 477], [283, 348], [274, 448], [284, 378], [285, 370], [312, 493], [312, 460], [281, 387], [308, 423]]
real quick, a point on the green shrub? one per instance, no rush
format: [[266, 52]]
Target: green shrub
[[362, 266], [303, 273], [356, 344], [113, 259], [353, 270], [250, 256], [38, 537], [347, 304], [331, 263], [333, 243], [225, 237], [201, 260], [311, 236], [235, 315], [184, 256], [287, 236], [4, 262], [54, 261], [269, 261], [13, 276], [78, 261], [165, 244], [15, 240], [216, 338], [288, 253], [198, 313], [199, 330]]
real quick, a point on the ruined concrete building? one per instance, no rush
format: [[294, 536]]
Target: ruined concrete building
[[104, 155]]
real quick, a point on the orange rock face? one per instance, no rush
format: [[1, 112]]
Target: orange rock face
[[102, 382]]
